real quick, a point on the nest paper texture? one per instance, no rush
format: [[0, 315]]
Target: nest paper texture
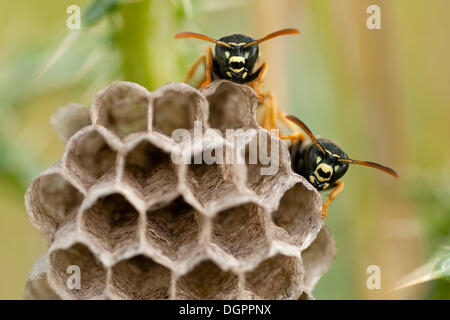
[[140, 226]]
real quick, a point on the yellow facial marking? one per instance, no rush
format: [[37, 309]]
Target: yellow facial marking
[[336, 168], [229, 74], [326, 169], [227, 54], [311, 179], [336, 155], [237, 44], [236, 59], [328, 151], [325, 186], [318, 159], [246, 54], [236, 70], [244, 75]]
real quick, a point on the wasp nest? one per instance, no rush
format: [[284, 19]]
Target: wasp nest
[[131, 210]]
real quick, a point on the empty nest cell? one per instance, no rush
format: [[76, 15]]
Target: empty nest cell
[[150, 171], [113, 222], [172, 229], [90, 158], [139, 278], [175, 109], [66, 121], [298, 216], [276, 278], [230, 107], [317, 258], [52, 200], [138, 247], [265, 163], [77, 273], [206, 282], [210, 185], [123, 108], [241, 232]]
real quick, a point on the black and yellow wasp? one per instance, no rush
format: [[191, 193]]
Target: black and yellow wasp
[[322, 162], [235, 59]]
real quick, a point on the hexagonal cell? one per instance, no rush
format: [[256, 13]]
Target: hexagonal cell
[[51, 200], [90, 158], [69, 119], [317, 258], [210, 185], [123, 108], [37, 287], [176, 106], [276, 278], [113, 222], [65, 265], [241, 232], [298, 217], [207, 281], [231, 106], [150, 171], [139, 278], [267, 162], [173, 229]]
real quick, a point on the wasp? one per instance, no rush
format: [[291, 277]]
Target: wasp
[[322, 162], [235, 59]]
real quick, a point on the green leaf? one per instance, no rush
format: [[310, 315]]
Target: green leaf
[[98, 10], [443, 263], [438, 267]]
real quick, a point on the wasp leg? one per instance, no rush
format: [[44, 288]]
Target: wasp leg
[[294, 137], [194, 67], [259, 81], [291, 125], [273, 113], [339, 186], [199, 84], [268, 100], [269, 103], [208, 63]]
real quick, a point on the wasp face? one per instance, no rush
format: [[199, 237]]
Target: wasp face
[[323, 170], [236, 63]]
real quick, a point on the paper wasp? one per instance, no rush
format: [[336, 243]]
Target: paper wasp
[[322, 162], [234, 59]]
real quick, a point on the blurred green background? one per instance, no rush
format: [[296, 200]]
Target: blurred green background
[[382, 94]]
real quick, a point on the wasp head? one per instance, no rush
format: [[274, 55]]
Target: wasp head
[[236, 54], [236, 61], [324, 169]]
